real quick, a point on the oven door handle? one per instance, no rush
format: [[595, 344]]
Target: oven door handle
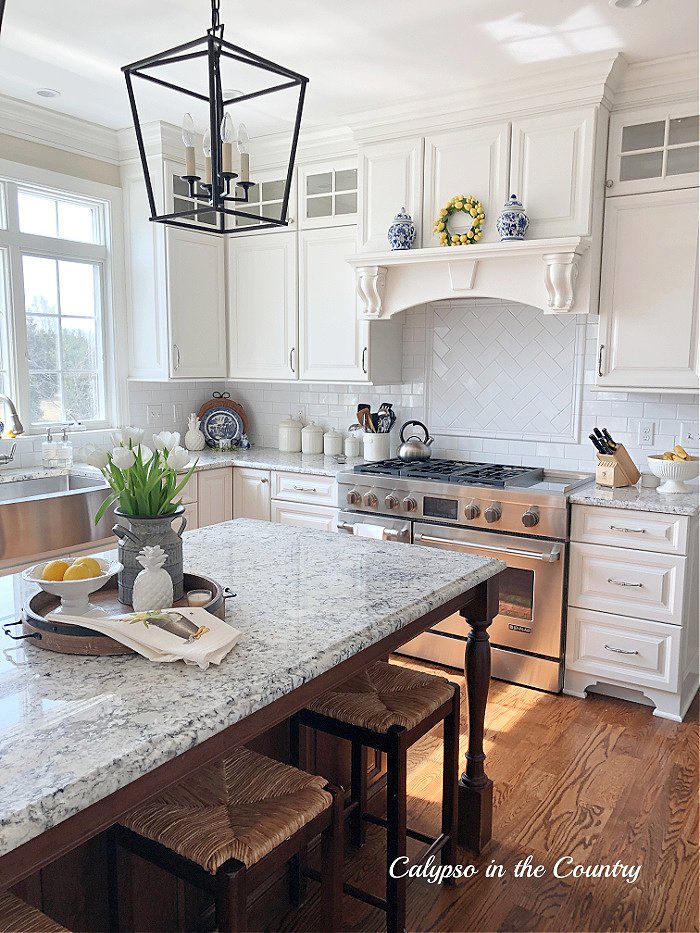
[[388, 534], [548, 558]]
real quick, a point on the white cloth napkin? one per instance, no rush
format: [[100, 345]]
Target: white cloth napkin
[[363, 530], [143, 632]]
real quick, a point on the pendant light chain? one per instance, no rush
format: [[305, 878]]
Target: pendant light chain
[[215, 5]]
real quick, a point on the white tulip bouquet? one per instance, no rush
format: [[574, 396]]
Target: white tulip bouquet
[[144, 481]]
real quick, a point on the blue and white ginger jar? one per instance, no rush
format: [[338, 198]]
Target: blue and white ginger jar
[[402, 232], [512, 222]]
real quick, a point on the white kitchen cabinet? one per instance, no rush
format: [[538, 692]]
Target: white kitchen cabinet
[[175, 289], [251, 493], [551, 171], [390, 177], [313, 488], [470, 160], [648, 294], [191, 515], [300, 515], [266, 199], [654, 149], [262, 306], [327, 194], [214, 496]]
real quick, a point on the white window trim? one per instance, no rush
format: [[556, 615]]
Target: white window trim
[[114, 312]]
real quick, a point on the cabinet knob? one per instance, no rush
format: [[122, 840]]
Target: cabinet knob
[[609, 183], [263, 480]]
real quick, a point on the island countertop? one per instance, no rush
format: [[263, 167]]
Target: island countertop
[[73, 730]]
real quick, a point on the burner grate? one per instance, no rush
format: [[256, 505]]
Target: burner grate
[[455, 471]]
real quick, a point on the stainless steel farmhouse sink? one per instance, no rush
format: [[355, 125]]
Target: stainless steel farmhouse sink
[[51, 513]]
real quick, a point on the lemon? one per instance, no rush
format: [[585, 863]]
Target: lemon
[[55, 570], [78, 572], [92, 565]]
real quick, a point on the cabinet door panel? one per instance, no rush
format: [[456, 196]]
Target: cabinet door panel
[[391, 177], [262, 295], [251, 493], [333, 342], [551, 164], [648, 296], [197, 304], [215, 496], [316, 517], [466, 161]]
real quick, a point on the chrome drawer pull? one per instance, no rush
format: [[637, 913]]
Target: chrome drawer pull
[[619, 650], [633, 531], [622, 583], [390, 534], [305, 488]]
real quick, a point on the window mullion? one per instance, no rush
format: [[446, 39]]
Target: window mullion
[[18, 335]]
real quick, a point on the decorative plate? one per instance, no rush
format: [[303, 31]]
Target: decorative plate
[[222, 419]]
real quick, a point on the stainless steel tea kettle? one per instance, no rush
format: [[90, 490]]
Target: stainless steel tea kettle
[[412, 447]]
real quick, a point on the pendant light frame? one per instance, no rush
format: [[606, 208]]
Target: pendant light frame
[[212, 48]]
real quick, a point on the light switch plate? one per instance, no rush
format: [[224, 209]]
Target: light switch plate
[[645, 437]]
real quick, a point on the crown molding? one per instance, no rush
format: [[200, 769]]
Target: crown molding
[[658, 81], [46, 127]]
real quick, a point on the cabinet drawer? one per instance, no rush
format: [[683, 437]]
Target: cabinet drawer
[[189, 491], [305, 487], [643, 531], [631, 583], [633, 651], [302, 515]]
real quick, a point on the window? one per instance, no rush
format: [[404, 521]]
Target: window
[[54, 264]]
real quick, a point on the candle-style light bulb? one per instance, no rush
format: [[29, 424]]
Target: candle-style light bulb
[[188, 140], [243, 148], [206, 148], [227, 136]]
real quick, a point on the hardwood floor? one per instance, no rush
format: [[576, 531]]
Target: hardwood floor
[[597, 780]]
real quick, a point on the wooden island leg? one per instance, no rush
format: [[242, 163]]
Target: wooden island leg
[[475, 787]]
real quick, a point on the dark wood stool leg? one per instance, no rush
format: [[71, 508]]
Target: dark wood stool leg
[[113, 879], [295, 869], [358, 793], [231, 898], [332, 865], [396, 830], [450, 769]]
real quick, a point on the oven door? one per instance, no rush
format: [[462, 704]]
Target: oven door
[[531, 590], [378, 527]]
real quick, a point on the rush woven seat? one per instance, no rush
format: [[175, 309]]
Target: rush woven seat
[[18, 917], [385, 695], [241, 807]]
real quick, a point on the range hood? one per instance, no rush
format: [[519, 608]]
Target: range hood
[[551, 274]]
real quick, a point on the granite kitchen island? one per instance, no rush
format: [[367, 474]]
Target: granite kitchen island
[[82, 739]]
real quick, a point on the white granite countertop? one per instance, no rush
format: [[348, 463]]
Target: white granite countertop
[[639, 498], [75, 729]]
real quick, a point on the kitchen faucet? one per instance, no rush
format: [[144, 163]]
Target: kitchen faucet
[[16, 425]]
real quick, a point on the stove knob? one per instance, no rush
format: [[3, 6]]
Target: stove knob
[[531, 517], [472, 511], [493, 512], [410, 504], [353, 497], [370, 500], [391, 501]]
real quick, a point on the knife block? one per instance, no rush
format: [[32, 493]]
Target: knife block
[[616, 469]]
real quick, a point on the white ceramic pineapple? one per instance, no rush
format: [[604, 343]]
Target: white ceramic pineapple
[[153, 587], [194, 439]]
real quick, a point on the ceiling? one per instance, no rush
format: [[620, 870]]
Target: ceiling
[[358, 54]]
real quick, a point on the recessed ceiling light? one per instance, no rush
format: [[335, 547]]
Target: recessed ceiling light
[[627, 4], [48, 92]]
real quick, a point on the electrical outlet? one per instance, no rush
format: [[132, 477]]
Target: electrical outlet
[[690, 434], [645, 437], [154, 415]]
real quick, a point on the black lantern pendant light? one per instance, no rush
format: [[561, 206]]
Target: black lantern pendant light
[[225, 188]]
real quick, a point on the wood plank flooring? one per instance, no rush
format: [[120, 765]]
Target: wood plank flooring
[[597, 779]]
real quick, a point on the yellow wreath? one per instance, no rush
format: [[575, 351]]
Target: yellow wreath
[[468, 204]]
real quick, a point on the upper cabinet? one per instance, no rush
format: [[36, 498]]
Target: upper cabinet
[[655, 149], [648, 293], [471, 160], [390, 177], [327, 194], [551, 171]]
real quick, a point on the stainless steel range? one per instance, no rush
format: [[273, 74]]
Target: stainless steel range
[[518, 514]]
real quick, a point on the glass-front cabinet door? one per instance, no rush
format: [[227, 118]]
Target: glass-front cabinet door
[[328, 194], [653, 150]]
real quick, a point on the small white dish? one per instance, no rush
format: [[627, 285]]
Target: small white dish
[[674, 473], [74, 594]]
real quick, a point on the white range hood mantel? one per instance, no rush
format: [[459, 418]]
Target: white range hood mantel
[[551, 274]]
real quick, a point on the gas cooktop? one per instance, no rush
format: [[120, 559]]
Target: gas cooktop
[[455, 471]]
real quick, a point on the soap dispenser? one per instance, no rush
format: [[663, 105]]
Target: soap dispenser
[[49, 452], [65, 451]]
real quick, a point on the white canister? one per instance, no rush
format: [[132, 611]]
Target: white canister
[[352, 445], [290, 436], [332, 443], [376, 447], [312, 439]]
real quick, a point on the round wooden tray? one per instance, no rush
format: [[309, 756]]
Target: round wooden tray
[[76, 639]]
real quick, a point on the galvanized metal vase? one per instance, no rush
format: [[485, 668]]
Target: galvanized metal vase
[[149, 530]]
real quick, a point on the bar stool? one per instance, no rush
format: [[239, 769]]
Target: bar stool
[[225, 828], [390, 708], [18, 917]]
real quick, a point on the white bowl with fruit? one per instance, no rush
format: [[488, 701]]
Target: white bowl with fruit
[[675, 467], [73, 581]]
